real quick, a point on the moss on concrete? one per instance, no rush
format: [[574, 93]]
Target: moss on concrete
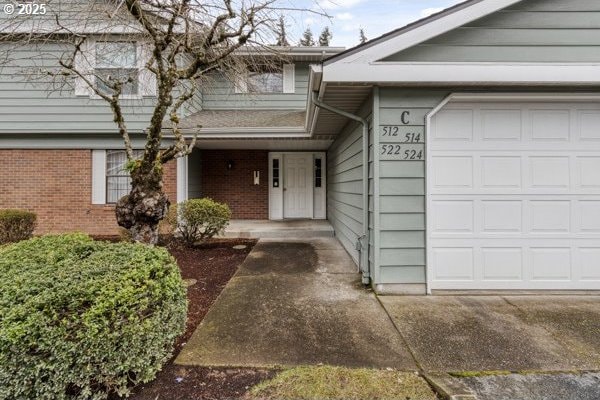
[[333, 383]]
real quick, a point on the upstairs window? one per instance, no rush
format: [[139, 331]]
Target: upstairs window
[[117, 61], [267, 79]]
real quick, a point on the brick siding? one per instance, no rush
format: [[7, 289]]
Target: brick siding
[[57, 185], [236, 187]]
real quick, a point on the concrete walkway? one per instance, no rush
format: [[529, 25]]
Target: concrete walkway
[[297, 302]]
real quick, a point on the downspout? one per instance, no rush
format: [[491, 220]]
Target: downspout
[[362, 245]]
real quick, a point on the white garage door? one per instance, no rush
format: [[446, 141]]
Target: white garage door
[[514, 196]]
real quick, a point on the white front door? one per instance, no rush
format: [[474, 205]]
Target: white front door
[[297, 190], [514, 196]]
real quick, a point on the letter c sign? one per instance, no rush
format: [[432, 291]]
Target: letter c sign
[[404, 117]]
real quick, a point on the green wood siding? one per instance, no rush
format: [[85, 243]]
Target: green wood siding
[[30, 103], [529, 31], [401, 226], [219, 93], [344, 185]]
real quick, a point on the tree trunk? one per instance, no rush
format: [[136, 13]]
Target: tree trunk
[[145, 206]]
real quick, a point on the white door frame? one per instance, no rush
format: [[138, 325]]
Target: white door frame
[[276, 195], [473, 97]]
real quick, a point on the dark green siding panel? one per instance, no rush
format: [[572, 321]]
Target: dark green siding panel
[[402, 273], [402, 192], [345, 186], [402, 257], [529, 31]]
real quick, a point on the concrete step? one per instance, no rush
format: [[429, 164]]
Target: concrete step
[[279, 229]]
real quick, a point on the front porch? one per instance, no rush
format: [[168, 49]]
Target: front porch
[[257, 229]]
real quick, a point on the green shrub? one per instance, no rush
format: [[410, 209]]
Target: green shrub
[[200, 219], [81, 319], [16, 225]]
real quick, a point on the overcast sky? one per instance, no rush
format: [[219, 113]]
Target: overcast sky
[[348, 16]]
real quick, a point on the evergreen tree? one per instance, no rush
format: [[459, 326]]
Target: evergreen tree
[[325, 37], [307, 38], [281, 33], [363, 37]]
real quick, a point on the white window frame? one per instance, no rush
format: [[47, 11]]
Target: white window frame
[[100, 178], [288, 85], [85, 62]]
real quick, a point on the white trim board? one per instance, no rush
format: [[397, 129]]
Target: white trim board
[[466, 73]]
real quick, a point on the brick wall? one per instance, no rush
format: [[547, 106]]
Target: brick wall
[[57, 185], [235, 187]]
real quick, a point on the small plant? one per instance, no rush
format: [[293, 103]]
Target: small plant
[[16, 225], [197, 220], [84, 319]]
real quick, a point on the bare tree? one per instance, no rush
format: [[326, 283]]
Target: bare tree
[[183, 42]]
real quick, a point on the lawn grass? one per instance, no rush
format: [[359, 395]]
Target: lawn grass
[[333, 383]]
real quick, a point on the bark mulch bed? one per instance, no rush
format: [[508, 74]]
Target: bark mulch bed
[[211, 265]]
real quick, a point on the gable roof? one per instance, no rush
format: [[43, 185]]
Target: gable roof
[[421, 30], [399, 31], [368, 63]]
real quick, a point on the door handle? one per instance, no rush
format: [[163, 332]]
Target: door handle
[[284, 189]]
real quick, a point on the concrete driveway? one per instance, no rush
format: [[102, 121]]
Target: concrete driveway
[[298, 302], [499, 333]]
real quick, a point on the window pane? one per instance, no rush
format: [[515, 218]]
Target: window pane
[[318, 172], [105, 77], [117, 187], [265, 82], [115, 162], [118, 182], [116, 55]]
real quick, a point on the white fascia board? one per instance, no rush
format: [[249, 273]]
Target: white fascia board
[[248, 133], [466, 73], [315, 80], [428, 30]]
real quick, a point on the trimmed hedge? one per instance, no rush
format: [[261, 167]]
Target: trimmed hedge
[[199, 219], [16, 225], [80, 319]]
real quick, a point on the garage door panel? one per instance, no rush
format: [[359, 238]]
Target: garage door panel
[[590, 267], [502, 263], [452, 171], [589, 216], [501, 216], [550, 216], [454, 125], [501, 172], [453, 263], [452, 216], [550, 263], [550, 125], [513, 202], [501, 125], [549, 172], [589, 121], [588, 171]]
